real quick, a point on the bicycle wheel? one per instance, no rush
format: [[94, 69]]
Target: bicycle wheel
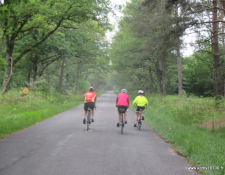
[[139, 122], [122, 123], [88, 119], [139, 125]]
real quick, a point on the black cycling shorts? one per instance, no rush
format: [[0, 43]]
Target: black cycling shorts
[[122, 109], [90, 104], [139, 107]]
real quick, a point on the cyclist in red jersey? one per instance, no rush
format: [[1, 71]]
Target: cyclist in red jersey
[[122, 101], [89, 101]]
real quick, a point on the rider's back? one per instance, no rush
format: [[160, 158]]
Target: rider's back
[[140, 100], [122, 100]]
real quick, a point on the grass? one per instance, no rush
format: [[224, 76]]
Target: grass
[[187, 124], [18, 112]]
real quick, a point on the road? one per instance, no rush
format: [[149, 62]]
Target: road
[[61, 145]]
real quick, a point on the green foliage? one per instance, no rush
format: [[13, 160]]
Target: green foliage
[[198, 75], [45, 31]]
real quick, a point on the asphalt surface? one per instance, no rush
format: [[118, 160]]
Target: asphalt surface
[[61, 145]]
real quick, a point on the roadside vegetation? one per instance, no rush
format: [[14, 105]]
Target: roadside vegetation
[[193, 126], [20, 111]]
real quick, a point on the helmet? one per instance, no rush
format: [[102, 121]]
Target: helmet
[[91, 89], [124, 90], [140, 92]]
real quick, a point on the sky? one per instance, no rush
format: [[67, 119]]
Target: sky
[[188, 38], [114, 19]]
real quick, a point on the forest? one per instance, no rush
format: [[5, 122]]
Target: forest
[[61, 46], [147, 48]]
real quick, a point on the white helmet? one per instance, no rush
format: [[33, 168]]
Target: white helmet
[[140, 92], [124, 90]]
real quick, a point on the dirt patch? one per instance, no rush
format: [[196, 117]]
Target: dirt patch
[[179, 103], [216, 124]]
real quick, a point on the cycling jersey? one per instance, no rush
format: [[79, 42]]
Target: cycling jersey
[[140, 101], [122, 100], [89, 97]]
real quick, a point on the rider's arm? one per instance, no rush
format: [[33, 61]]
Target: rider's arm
[[146, 103], [116, 100], [128, 101], [134, 102], [95, 98], [84, 98]]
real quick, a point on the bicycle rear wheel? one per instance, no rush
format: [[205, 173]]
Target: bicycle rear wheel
[[122, 123], [88, 119], [139, 123]]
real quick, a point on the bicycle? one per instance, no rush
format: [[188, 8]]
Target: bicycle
[[122, 121], [139, 120], [88, 117]]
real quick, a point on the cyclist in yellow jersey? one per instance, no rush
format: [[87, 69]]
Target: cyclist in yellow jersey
[[140, 102]]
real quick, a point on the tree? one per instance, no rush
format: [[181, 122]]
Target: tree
[[37, 20]]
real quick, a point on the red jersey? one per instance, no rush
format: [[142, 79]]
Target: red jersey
[[122, 100], [89, 97]]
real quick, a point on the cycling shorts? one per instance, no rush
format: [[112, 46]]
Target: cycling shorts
[[138, 108], [122, 109], [90, 104]]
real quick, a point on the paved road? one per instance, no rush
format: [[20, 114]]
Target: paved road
[[60, 145]]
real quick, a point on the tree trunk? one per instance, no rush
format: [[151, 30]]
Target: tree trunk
[[77, 79], [59, 89], [151, 80], [8, 73], [180, 86], [222, 35], [33, 71], [159, 76], [216, 57], [9, 64], [179, 71], [163, 64]]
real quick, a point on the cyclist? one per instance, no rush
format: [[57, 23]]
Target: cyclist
[[89, 101], [122, 101], [140, 102]]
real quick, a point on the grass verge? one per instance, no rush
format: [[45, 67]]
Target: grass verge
[[18, 112], [181, 123]]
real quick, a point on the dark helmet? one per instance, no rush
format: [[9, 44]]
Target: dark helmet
[[91, 89]]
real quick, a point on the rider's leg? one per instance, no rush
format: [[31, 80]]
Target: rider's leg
[[84, 119], [125, 115], [93, 113], [118, 120], [118, 117], [142, 115], [136, 117]]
